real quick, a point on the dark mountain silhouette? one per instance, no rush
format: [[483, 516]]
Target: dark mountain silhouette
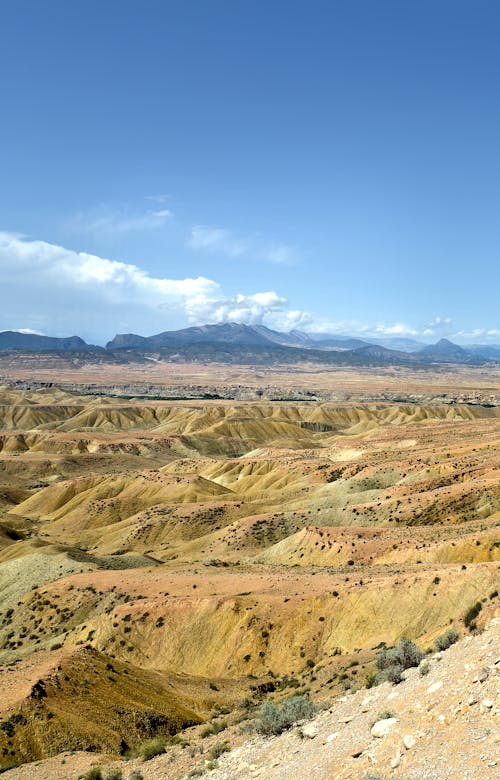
[[446, 351], [11, 339]]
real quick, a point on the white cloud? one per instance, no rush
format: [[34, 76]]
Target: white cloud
[[161, 198], [397, 329], [48, 286], [478, 334], [106, 221], [216, 240], [279, 254], [27, 331], [54, 290]]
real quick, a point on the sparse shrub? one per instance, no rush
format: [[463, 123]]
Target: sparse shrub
[[213, 728], [136, 774], [218, 749], [274, 719], [394, 661], [424, 668], [93, 774], [471, 615], [385, 715], [152, 747], [393, 674], [405, 654], [114, 774], [447, 639]]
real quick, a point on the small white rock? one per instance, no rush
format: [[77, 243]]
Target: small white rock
[[310, 731], [409, 741], [435, 686], [383, 727], [487, 703], [396, 760], [333, 736]]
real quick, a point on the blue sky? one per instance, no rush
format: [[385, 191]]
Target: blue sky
[[302, 163]]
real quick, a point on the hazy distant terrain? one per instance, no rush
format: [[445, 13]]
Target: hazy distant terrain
[[236, 343]]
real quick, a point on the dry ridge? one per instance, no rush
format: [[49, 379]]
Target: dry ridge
[[437, 725]]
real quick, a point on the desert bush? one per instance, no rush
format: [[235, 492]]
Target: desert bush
[[151, 748], [471, 615], [405, 654], [424, 668], [394, 661], [447, 639], [93, 774], [392, 674], [213, 728], [274, 719], [385, 715], [136, 774], [218, 749], [114, 774]]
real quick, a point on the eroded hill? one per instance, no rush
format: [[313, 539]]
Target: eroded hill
[[228, 548]]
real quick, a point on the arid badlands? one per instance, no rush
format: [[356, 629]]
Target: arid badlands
[[173, 567]]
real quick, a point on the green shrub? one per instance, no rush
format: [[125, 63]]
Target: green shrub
[[385, 715], [471, 615], [136, 774], [218, 749], [213, 728], [394, 661], [424, 668], [404, 655], [392, 674], [93, 774], [447, 639], [152, 747], [274, 719], [114, 774]]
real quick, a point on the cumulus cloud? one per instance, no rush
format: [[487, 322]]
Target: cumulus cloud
[[50, 289], [57, 290]]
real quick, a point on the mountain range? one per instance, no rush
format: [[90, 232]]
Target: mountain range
[[210, 340]]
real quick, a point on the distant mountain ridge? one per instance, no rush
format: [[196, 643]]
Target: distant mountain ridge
[[12, 339], [231, 340], [236, 333], [445, 351]]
